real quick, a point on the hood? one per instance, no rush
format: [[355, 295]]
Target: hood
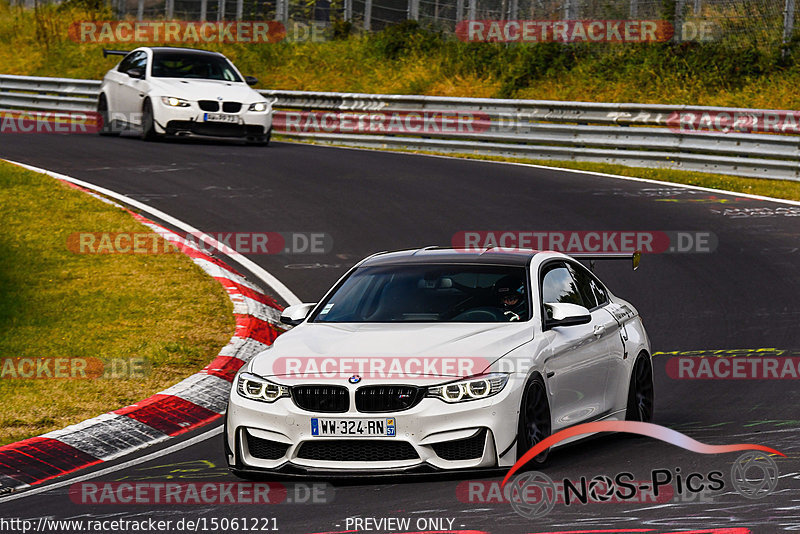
[[395, 352], [195, 89]]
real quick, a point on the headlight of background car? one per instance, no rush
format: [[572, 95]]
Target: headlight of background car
[[259, 106], [470, 389], [175, 102], [254, 387]]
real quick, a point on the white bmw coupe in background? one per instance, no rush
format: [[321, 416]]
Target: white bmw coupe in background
[[182, 92], [439, 359]]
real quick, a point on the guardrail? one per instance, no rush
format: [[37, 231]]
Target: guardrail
[[639, 135]]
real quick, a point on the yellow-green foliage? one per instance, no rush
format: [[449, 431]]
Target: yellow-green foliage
[[409, 59]]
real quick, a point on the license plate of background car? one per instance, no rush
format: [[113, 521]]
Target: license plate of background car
[[220, 117], [386, 428]]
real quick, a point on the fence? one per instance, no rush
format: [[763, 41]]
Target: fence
[[739, 22], [639, 135]]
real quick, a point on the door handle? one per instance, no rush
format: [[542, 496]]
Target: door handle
[[599, 330]]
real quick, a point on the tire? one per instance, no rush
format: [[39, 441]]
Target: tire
[[148, 123], [534, 419], [640, 391], [264, 139], [102, 110]]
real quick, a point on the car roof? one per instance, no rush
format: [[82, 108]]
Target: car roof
[[516, 257], [184, 50]]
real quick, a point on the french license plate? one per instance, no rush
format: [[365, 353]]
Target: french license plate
[[354, 427], [220, 117]]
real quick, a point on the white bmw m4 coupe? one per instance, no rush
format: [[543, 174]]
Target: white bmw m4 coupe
[[160, 91], [439, 359]]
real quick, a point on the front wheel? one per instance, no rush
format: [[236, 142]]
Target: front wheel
[[534, 419], [640, 391], [263, 140], [148, 122]]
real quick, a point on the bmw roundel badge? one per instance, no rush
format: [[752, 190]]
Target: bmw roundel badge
[[355, 379]]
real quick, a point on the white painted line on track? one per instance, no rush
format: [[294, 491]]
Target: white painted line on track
[[130, 463], [284, 292]]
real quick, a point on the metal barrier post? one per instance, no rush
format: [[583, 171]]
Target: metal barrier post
[[788, 21], [367, 15]]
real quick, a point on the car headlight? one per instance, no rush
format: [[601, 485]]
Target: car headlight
[[254, 387], [259, 106], [471, 389], [175, 102]]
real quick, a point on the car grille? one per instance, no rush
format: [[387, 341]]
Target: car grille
[[387, 398], [352, 450], [231, 107], [208, 105], [265, 449], [327, 399], [462, 449]]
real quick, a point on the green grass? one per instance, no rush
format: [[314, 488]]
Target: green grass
[[58, 304]]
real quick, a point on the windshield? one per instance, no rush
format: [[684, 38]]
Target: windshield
[[429, 294], [200, 66]]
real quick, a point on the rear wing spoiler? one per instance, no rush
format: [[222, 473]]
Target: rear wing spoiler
[[634, 257], [107, 52]]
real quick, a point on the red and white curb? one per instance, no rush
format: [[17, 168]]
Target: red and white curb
[[191, 403]]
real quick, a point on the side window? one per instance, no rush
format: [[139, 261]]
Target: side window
[[126, 63], [136, 59], [559, 286], [593, 292]]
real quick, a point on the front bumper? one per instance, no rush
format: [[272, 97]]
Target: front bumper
[[431, 436], [190, 121]]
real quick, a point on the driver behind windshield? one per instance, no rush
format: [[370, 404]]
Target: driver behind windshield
[[510, 292]]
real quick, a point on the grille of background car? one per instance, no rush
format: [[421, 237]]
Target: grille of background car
[[387, 398], [208, 105], [327, 399], [265, 449], [461, 449], [351, 450], [231, 107]]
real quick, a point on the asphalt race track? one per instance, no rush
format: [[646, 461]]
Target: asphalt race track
[[744, 295]]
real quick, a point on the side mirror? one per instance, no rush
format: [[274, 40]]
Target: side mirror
[[250, 80], [136, 72], [565, 314], [294, 315]]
